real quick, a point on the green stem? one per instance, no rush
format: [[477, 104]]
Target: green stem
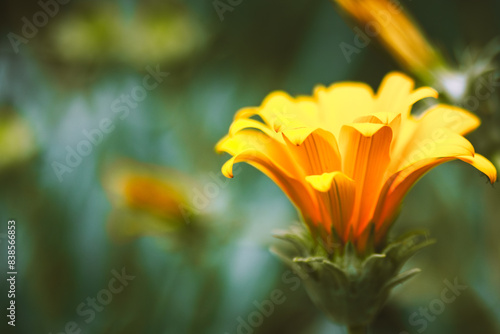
[[357, 329]]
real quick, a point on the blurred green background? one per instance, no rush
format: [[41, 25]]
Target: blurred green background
[[61, 79]]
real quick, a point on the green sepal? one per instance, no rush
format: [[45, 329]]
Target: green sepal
[[349, 287]]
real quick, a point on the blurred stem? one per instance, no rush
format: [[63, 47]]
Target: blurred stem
[[357, 329]]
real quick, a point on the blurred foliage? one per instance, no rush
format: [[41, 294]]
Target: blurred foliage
[[17, 142], [65, 81]]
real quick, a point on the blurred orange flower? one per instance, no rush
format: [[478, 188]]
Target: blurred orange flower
[[146, 199], [396, 31], [346, 156]]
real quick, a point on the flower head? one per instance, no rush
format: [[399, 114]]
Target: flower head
[[346, 156]]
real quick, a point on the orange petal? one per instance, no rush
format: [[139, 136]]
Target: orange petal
[[394, 190], [273, 159], [398, 185], [316, 151], [429, 135], [336, 192], [151, 194], [430, 142], [365, 155], [300, 195]]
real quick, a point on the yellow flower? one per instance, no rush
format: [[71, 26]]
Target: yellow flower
[[388, 21], [345, 156]]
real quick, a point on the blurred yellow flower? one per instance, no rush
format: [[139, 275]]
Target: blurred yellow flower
[[146, 199], [144, 192], [345, 156], [396, 30]]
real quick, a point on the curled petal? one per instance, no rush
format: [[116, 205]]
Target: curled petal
[[300, 195], [316, 151], [244, 124], [422, 93], [246, 113], [482, 164], [255, 143]]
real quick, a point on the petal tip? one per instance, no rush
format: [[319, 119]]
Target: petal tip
[[323, 182]]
